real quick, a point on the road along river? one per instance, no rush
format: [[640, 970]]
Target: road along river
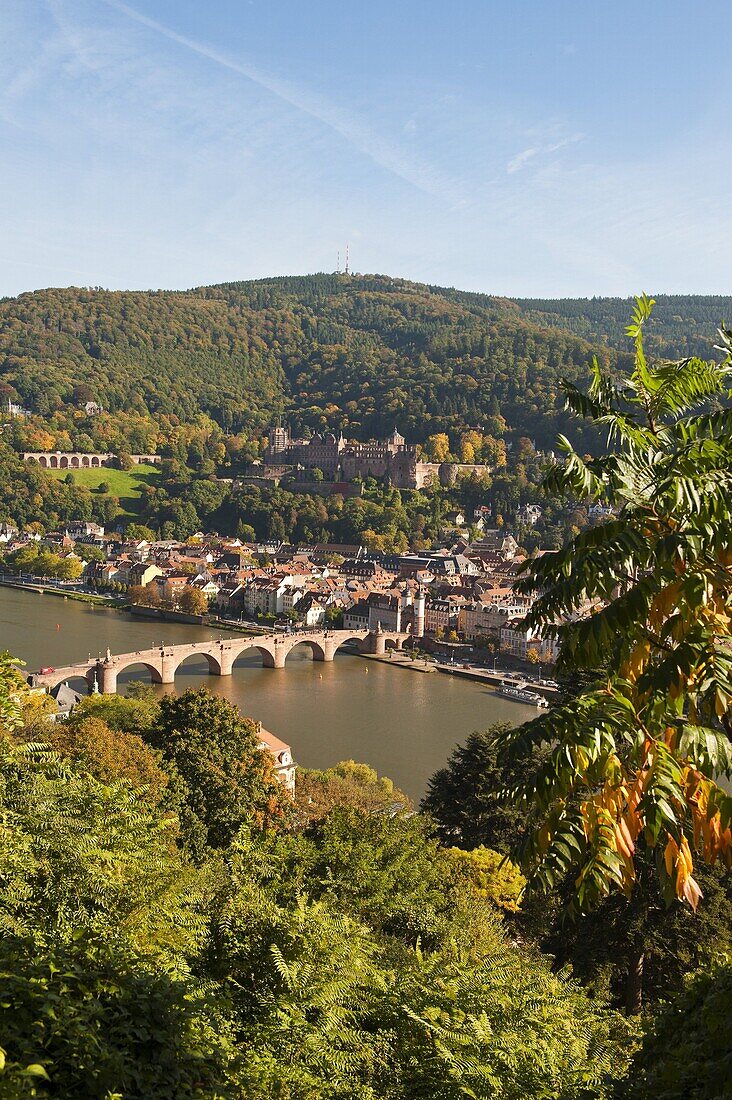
[[404, 723]]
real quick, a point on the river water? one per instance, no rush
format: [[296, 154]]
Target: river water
[[404, 723]]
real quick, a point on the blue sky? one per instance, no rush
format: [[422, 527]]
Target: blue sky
[[540, 147]]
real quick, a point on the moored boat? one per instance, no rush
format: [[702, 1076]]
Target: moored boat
[[522, 695]]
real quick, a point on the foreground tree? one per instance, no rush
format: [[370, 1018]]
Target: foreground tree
[[637, 950], [345, 784], [361, 967], [686, 1052], [108, 754], [93, 1018], [221, 778], [646, 597], [348, 961], [463, 798]]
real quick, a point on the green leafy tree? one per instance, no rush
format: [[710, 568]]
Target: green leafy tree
[[134, 713], [13, 693], [79, 853], [140, 531], [222, 778], [109, 754], [91, 1017], [345, 784], [99, 920], [646, 597], [124, 460], [334, 1004], [636, 951], [490, 876], [69, 569], [464, 797], [685, 1052]]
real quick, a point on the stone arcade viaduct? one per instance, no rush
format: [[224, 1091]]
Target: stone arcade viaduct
[[163, 661], [79, 460]]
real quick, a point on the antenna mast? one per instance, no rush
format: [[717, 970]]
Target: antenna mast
[[346, 259], [338, 262]]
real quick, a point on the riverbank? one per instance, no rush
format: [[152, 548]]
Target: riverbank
[[120, 603], [497, 678], [397, 661], [66, 593]]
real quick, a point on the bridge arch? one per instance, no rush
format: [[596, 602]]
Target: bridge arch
[[53, 462], [63, 462], [74, 463], [214, 665], [43, 461], [349, 641], [77, 682], [95, 461], [137, 662], [266, 654], [85, 460], [315, 648]]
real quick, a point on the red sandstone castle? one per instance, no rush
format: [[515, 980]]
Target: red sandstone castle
[[341, 459]]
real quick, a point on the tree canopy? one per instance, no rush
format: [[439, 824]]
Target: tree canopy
[[645, 598]]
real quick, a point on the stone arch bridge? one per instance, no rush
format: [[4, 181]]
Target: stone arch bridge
[[163, 661], [81, 460]]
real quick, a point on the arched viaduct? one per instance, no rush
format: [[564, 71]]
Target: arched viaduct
[[80, 460], [163, 661]]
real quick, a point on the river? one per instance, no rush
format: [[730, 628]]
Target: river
[[403, 723]]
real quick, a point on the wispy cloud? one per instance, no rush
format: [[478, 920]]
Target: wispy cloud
[[517, 162], [361, 136], [521, 159]]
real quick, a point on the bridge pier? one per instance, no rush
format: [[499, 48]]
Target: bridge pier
[[226, 664], [107, 678], [278, 659], [167, 669]]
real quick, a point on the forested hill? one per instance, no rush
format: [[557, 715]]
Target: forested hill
[[360, 353], [681, 324]]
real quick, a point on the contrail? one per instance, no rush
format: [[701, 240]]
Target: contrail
[[340, 122]]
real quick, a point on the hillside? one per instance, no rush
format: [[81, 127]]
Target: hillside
[[681, 324], [358, 353]]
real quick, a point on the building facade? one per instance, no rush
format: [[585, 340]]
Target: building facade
[[392, 458]]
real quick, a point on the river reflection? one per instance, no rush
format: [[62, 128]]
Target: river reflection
[[404, 723]]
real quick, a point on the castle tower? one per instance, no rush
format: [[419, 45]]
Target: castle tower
[[279, 438], [395, 440], [419, 606]]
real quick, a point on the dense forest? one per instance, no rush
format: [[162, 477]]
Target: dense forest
[[197, 377], [358, 353], [184, 497], [681, 324]]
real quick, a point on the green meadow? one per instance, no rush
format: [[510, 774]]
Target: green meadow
[[127, 485]]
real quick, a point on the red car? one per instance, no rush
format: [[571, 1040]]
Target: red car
[[45, 669]]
